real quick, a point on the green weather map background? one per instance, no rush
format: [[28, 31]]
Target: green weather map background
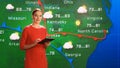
[[76, 25]]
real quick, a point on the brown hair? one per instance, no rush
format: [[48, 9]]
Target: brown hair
[[35, 10]]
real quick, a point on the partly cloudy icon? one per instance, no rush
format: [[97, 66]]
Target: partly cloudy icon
[[68, 45], [82, 9], [48, 15], [14, 36], [9, 7]]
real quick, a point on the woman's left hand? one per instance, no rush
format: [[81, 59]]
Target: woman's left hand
[[47, 44]]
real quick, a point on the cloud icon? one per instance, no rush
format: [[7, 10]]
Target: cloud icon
[[48, 15], [82, 9], [9, 7], [14, 36], [68, 45]]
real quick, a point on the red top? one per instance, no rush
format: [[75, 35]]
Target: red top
[[35, 56]]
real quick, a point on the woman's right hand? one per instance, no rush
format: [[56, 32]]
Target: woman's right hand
[[37, 41]]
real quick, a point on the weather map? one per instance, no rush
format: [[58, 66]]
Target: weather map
[[76, 25]]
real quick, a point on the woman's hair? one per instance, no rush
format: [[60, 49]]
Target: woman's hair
[[35, 10]]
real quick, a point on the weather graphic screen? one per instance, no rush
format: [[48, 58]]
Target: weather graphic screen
[[77, 26]]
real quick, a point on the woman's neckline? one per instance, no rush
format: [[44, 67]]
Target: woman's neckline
[[36, 27]]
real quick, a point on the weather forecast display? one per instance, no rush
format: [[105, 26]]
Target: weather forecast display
[[77, 26]]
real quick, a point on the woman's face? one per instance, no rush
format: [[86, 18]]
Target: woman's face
[[37, 16]]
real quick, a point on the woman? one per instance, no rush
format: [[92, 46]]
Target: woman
[[31, 35]]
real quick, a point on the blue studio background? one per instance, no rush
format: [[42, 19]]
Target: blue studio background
[[106, 54]]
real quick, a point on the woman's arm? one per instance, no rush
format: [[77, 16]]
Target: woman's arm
[[31, 45], [24, 38]]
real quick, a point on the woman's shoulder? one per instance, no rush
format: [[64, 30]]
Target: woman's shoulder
[[27, 27]]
